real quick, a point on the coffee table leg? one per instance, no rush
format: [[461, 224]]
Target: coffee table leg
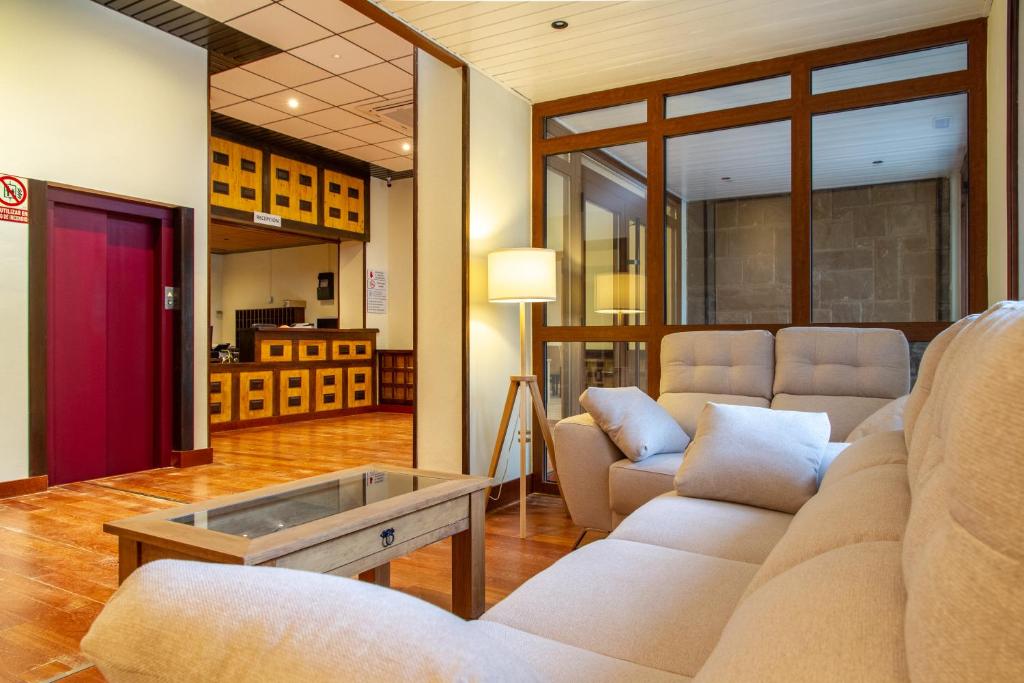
[[379, 575], [468, 562], [128, 552]]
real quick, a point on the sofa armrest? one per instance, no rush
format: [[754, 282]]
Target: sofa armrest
[[583, 453], [195, 621]]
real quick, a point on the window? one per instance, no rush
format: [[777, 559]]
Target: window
[[727, 226], [889, 206], [596, 222], [595, 119], [936, 60], [714, 99]]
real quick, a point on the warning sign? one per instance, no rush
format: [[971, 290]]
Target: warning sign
[[13, 199]]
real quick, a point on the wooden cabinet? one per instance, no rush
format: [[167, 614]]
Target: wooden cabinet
[[352, 349], [236, 175], [255, 394], [312, 349], [360, 386], [397, 380], [293, 189], [220, 397], [275, 351], [328, 389], [344, 203], [293, 388]]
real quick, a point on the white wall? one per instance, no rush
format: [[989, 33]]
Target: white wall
[[996, 171], [499, 210], [264, 279], [96, 99], [390, 250], [439, 227]]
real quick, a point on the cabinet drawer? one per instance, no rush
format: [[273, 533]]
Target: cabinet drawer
[[275, 351], [312, 349], [359, 349]]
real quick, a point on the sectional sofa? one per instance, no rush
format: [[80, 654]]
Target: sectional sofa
[[907, 565], [847, 372]]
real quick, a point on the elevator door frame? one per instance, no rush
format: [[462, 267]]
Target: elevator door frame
[[175, 396]]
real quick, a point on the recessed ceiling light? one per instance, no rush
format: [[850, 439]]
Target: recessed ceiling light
[[559, 24], [293, 103], [406, 147], [336, 55], [726, 178], [876, 162]]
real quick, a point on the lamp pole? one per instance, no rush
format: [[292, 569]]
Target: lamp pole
[[524, 413]]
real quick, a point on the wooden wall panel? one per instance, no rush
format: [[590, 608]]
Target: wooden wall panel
[[293, 190], [360, 387], [294, 392], [312, 349], [255, 394], [351, 350], [328, 389], [236, 175], [220, 397], [275, 351], [344, 202]]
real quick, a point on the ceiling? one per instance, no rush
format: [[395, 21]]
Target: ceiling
[[612, 44], [340, 81], [226, 238]]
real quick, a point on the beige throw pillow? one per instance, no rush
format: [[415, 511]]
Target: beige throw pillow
[[634, 421], [888, 418], [754, 456]]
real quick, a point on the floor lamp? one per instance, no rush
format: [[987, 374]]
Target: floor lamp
[[521, 276]]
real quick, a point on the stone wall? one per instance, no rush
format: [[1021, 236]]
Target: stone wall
[[880, 254]]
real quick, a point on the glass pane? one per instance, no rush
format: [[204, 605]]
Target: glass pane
[[740, 95], [571, 367], [936, 60], [889, 206], [272, 513], [596, 215], [595, 119], [727, 226]]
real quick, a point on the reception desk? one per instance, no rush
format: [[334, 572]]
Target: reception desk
[[289, 374]]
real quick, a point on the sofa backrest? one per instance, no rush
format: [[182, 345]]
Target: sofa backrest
[[847, 372], [735, 367], [963, 549]]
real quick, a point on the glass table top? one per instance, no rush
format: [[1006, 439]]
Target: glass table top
[[274, 512]]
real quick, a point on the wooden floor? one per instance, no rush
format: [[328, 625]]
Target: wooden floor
[[57, 567]]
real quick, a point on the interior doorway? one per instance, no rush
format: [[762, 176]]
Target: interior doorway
[[110, 298]]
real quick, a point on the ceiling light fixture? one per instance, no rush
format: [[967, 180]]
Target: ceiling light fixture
[[406, 147], [876, 162], [559, 24], [293, 103], [336, 55], [726, 178]]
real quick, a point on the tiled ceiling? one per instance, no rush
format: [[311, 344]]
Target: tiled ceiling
[[341, 81], [612, 44]]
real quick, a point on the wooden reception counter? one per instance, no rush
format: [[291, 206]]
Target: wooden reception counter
[[288, 374]]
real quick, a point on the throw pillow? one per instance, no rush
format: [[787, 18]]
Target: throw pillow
[[754, 456], [888, 418], [634, 421]]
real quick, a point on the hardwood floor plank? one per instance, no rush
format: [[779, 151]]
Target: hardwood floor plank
[[58, 568]]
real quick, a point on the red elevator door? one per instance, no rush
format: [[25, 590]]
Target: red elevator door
[[104, 341]]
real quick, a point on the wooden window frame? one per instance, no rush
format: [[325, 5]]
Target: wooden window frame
[[799, 110]]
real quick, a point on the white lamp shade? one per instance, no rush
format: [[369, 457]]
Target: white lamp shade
[[521, 275], [618, 293]]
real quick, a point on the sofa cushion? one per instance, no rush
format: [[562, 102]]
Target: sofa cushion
[[870, 505], [685, 408], [836, 617], [881, 448], [631, 484], [641, 603], [755, 456], [709, 527], [841, 361], [718, 362], [555, 661], [634, 422], [198, 621], [844, 412], [888, 418]]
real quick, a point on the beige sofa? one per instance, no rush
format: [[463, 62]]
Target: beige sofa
[[908, 564], [847, 372]]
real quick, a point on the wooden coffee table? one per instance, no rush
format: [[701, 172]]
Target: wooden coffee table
[[351, 522]]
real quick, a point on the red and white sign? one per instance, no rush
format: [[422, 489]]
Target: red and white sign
[[13, 199]]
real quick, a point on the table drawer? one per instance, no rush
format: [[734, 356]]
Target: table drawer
[[355, 546]]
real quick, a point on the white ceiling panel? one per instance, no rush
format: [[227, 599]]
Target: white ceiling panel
[[396, 164], [336, 54], [287, 70], [380, 41], [336, 90], [373, 133], [336, 119], [403, 63], [612, 44], [396, 146], [331, 14], [339, 142], [222, 98], [223, 10], [305, 103], [243, 83], [279, 26], [297, 128], [381, 78], [369, 153], [252, 112]]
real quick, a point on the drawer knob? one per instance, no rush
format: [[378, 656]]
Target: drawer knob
[[387, 537]]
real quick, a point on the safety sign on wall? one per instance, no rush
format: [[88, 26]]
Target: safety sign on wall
[[376, 292], [13, 199]]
